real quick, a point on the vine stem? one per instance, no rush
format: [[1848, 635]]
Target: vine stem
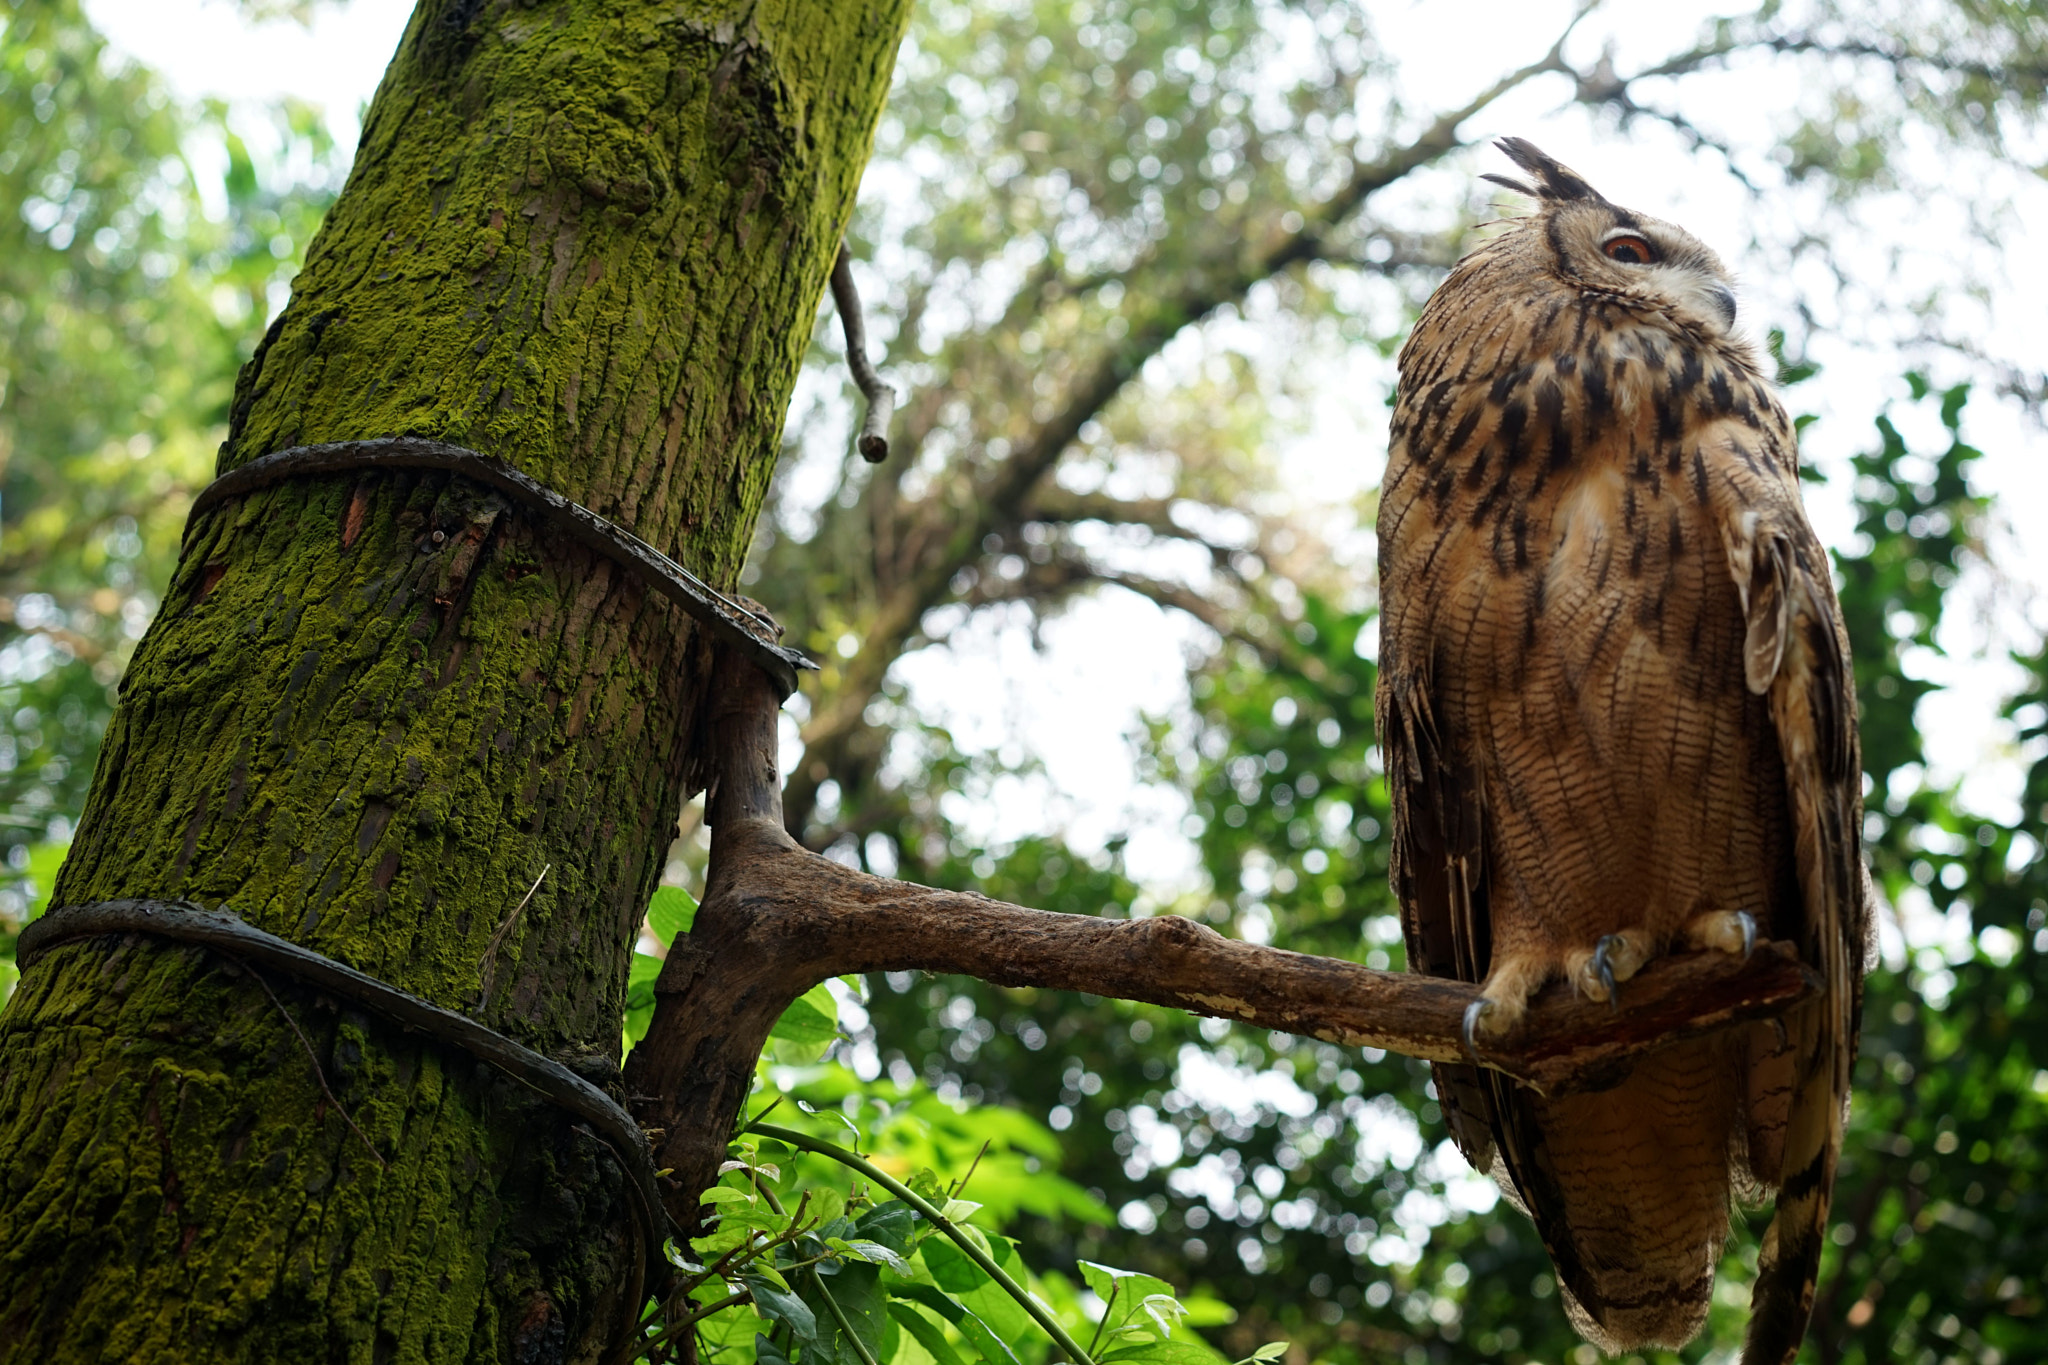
[[818, 1281], [1038, 1311]]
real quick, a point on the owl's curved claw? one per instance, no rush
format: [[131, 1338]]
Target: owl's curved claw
[[1474, 1012], [1604, 969], [1748, 932]]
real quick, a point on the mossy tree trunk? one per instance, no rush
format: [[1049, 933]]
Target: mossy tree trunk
[[587, 237]]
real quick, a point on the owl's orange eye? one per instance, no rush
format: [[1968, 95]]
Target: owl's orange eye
[[1629, 250]]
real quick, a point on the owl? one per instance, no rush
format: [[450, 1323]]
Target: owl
[[1618, 721]]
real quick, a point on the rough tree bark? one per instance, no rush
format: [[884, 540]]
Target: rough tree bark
[[587, 237]]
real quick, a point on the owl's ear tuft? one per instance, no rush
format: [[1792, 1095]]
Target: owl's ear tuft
[[1554, 180], [1517, 186]]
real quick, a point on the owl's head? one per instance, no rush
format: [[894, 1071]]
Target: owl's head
[[1600, 245]]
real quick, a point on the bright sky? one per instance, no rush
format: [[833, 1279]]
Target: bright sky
[[1073, 703]]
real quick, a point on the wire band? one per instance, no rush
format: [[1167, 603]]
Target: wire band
[[228, 933], [728, 621]]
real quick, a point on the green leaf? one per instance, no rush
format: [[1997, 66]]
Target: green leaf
[[720, 1240], [926, 1332], [951, 1269], [1206, 1310], [894, 1224], [873, 1252], [770, 1274], [44, 860], [640, 978], [857, 1291], [812, 1017], [778, 1304], [759, 1217], [960, 1210], [807, 1029], [1164, 1310], [671, 912], [991, 1347], [1162, 1353], [1133, 1298], [729, 1330], [1272, 1350]]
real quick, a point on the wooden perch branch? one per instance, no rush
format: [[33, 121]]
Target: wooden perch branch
[[777, 919], [817, 918]]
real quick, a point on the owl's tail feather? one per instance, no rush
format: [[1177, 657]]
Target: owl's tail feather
[[1788, 1264]]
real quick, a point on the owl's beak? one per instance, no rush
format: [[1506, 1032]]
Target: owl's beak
[[1724, 300]]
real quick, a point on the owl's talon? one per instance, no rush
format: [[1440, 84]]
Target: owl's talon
[[1605, 970], [1474, 1012]]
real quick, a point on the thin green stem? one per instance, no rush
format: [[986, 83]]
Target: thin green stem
[[805, 1142], [839, 1316], [818, 1281], [1116, 1287], [676, 1329], [973, 1166], [749, 1252]]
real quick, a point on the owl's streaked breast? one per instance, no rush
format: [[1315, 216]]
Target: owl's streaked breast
[[1580, 622]]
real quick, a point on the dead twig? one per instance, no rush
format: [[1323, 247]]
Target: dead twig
[[873, 442], [319, 1072], [498, 939]]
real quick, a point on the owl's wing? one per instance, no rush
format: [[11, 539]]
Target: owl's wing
[[1796, 652], [1438, 862], [1439, 855]]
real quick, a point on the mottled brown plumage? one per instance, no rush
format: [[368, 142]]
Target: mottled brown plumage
[[1618, 718]]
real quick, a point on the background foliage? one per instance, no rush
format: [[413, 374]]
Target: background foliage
[[1113, 248]]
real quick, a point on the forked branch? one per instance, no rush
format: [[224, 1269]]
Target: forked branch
[[777, 919]]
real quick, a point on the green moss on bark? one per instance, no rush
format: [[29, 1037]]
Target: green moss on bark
[[588, 237]]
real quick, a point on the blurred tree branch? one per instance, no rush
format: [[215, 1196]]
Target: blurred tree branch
[[996, 404]]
